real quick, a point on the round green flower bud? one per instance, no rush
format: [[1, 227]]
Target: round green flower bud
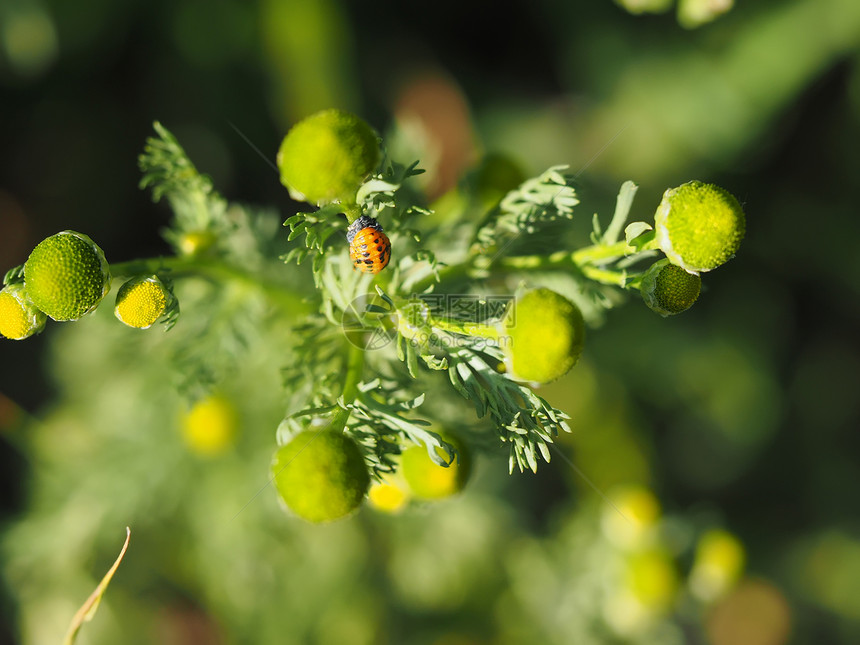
[[668, 289], [428, 480], [66, 276], [543, 334], [19, 317], [320, 475], [141, 301], [699, 226], [325, 157]]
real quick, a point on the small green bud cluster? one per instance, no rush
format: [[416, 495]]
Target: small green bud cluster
[[699, 227], [65, 278]]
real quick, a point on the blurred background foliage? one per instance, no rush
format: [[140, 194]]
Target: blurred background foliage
[[729, 435]]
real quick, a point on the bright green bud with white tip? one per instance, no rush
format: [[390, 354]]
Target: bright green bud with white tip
[[699, 226], [320, 475], [327, 156], [543, 334], [66, 276], [668, 289], [19, 317], [141, 301]]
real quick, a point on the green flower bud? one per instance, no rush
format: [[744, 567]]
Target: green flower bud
[[668, 289], [430, 481], [695, 13], [645, 6], [320, 475], [326, 157], [19, 317], [543, 335], [141, 301], [66, 275], [699, 226]]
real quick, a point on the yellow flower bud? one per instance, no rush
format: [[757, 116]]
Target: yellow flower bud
[[195, 242], [631, 517], [210, 426], [141, 301], [718, 564], [388, 496], [19, 317]]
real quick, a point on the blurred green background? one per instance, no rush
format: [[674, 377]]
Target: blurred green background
[[741, 415]]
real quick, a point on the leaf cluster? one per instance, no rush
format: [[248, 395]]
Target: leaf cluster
[[527, 210]]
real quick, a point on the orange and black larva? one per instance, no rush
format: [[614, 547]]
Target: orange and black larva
[[369, 246]]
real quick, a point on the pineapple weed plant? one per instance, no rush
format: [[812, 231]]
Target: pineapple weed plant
[[403, 297]]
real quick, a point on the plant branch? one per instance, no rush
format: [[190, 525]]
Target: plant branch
[[179, 267], [354, 369], [465, 328]]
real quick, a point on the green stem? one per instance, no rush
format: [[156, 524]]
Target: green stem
[[352, 212], [216, 270], [450, 272], [602, 253], [581, 260], [354, 369], [607, 276], [599, 253], [465, 328]]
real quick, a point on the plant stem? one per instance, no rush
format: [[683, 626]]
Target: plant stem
[[607, 276], [216, 270], [581, 260], [352, 211], [354, 369], [465, 328]]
